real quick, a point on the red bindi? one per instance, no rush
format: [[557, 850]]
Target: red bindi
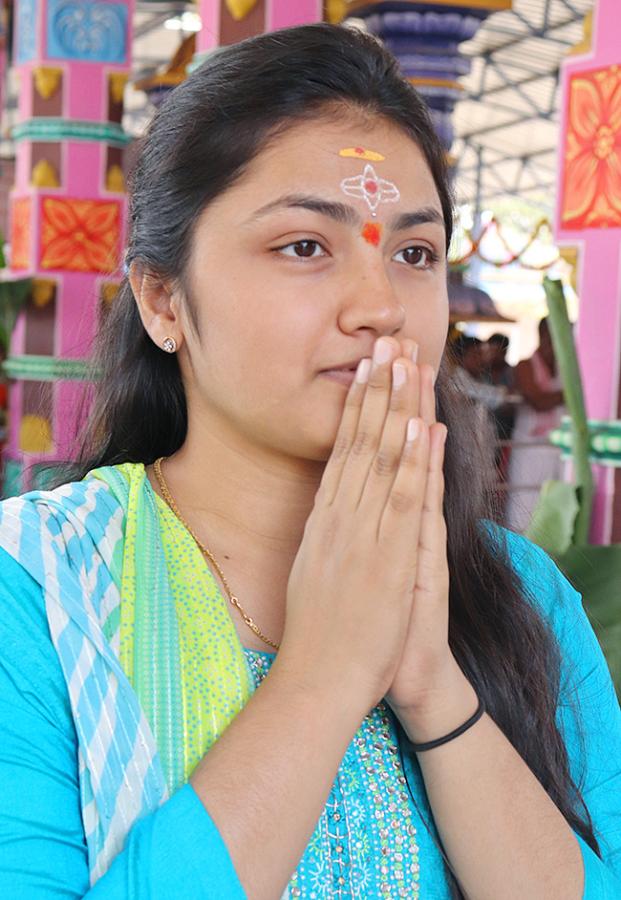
[[371, 186], [372, 233]]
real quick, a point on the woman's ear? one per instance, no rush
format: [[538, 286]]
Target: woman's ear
[[158, 306]]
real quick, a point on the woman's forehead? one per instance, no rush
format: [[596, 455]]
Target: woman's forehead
[[338, 159]]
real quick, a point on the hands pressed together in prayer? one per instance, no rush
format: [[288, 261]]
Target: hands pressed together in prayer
[[370, 583]]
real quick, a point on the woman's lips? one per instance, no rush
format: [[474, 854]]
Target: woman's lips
[[343, 376]]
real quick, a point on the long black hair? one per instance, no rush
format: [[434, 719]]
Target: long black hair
[[201, 140]]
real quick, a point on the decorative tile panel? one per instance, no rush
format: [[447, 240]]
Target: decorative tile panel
[[21, 217], [26, 30], [592, 177], [94, 32], [80, 235]]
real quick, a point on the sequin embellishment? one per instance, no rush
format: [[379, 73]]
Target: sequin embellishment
[[365, 843]]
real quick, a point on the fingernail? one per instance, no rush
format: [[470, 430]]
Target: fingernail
[[381, 352], [415, 353], [399, 375], [413, 429], [362, 372]]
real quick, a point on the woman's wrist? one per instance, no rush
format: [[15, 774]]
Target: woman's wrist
[[443, 708]]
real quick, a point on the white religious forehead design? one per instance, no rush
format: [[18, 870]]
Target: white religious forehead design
[[369, 186]]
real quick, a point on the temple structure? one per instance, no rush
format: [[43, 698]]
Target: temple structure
[[68, 208], [589, 216], [425, 38], [230, 21], [67, 215]]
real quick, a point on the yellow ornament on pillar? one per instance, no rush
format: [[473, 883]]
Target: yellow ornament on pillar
[[35, 435], [46, 81], [116, 86], [586, 44], [115, 180], [42, 291], [109, 290], [239, 9], [336, 10], [44, 175]]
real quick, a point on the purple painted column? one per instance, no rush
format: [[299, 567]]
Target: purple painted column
[[589, 216], [425, 37], [67, 212], [230, 21]]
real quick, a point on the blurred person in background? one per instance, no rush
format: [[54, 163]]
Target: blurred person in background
[[470, 370], [500, 373], [539, 383]]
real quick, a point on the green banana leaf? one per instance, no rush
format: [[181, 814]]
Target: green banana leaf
[[554, 518], [596, 573], [561, 520], [13, 295]]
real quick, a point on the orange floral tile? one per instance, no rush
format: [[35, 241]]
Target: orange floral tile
[[80, 235], [21, 211], [592, 179]]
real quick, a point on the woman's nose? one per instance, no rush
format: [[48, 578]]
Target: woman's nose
[[370, 301]]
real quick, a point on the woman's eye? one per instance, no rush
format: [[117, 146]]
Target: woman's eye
[[418, 257], [302, 250]]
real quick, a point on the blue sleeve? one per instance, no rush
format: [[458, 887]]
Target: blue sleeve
[[175, 851], [588, 716]]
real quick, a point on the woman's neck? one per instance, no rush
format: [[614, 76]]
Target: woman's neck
[[241, 496]]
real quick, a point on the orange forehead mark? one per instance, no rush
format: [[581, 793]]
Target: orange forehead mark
[[362, 153], [372, 233]]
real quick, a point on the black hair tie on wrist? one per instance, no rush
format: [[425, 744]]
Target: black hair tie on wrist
[[430, 745]]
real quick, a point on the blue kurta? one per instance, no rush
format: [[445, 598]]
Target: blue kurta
[[386, 849]]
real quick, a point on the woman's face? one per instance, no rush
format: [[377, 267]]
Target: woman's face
[[299, 268]]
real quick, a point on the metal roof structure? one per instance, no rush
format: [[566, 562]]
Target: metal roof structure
[[506, 123]]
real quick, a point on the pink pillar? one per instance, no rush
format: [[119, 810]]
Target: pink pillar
[[229, 21], [589, 215], [67, 212]]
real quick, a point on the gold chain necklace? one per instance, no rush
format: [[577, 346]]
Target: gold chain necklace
[[157, 468]]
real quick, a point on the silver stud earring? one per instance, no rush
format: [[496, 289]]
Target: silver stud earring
[[169, 345]]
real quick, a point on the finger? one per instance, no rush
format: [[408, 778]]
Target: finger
[[431, 559], [368, 434], [427, 395], [409, 349], [401, 518], [345, 434], [403, 402]]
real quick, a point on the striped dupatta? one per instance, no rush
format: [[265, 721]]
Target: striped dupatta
[[96, 549]]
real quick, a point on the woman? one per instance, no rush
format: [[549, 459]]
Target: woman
[[257, 483]]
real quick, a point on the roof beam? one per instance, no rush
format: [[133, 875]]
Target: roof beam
[[516, 86], [528, 158], [545, 34], [489, 129], [553, 73]]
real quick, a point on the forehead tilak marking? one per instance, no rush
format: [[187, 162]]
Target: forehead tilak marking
[[362, 153], [371, 188], [372, 233]]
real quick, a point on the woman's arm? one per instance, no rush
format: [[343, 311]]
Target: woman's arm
[[504, 836], [526, 385], [175, 851]]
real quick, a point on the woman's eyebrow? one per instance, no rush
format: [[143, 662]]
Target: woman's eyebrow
[[346, 214], [340, 212], [426, 215]]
